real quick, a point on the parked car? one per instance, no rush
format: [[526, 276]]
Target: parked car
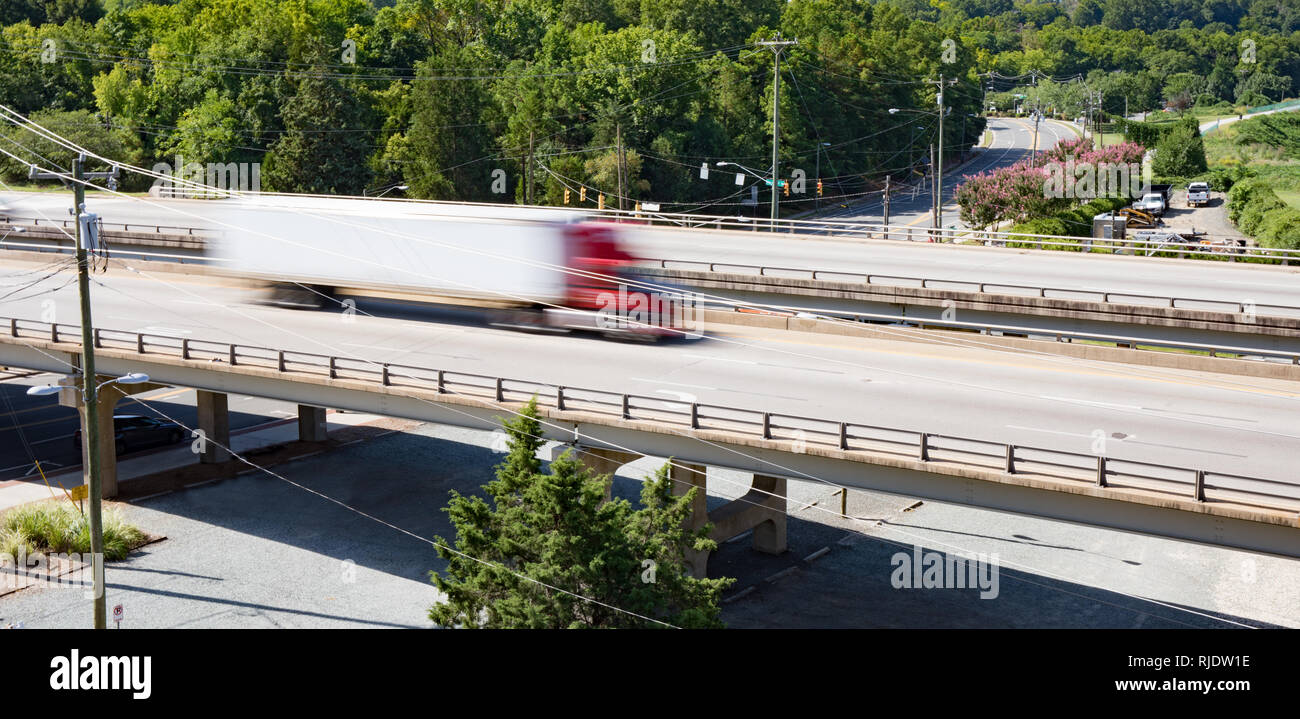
[[1155, 201], [1198, 194], [132, 431]]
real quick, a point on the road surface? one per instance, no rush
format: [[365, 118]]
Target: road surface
[[1235, 425]]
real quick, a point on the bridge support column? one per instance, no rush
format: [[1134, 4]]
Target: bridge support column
[[762, 509], [214, 422], [106, 399], [311, 424], [686, 477], [603, 461]]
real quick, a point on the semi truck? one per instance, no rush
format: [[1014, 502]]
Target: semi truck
[[520, 267]]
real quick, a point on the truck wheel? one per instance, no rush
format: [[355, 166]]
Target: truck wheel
[[301, 296]]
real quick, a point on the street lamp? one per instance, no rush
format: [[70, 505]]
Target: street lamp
[[89, 395], [48, 389], [385, 190], [755, 175], [12, 230]]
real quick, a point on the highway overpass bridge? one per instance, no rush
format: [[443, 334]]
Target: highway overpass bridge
[[613, 428], [1202, 312]]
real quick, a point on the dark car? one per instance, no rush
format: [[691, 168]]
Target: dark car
[[131, 432]]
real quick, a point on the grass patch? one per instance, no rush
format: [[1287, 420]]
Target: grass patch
[[1290, 197], [58, 526]]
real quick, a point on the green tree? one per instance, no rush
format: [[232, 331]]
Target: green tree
[[545, 550], [79, 126], [1180, 152], [320, 150]]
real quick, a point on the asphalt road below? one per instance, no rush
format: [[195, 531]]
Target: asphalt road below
[[38, 428], [258, 552]]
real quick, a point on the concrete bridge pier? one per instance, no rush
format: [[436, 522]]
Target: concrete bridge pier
[[214, 422], [762, 509], [602, 461], [311, 424], [686, 477], [106, 400]]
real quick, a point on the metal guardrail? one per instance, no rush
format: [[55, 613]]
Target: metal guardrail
[[968, 285], [1141, 344], [39, 222], [869, 278], [860, 230], [800, 432]]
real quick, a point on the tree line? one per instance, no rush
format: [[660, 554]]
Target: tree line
[[521, 100]]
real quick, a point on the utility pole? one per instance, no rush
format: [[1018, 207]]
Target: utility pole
[[887, 179], [1034, 153], [89, 393], [528, 172], [89, 390], [938, 207], [934, 193], [777, 45], [618, 141]]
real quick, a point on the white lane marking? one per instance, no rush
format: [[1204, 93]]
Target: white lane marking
[[1290, 286], [721, 359], [1090, 402], [1048, 431], [157, 329], [675, 384], [373, 347]]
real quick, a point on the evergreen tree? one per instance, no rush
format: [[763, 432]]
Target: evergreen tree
[[545, 550], [320, 150]]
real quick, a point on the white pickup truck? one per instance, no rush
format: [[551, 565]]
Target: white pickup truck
[[1198, 194]]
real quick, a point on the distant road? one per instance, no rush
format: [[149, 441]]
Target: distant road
[[1216, 124], [1013, 141]]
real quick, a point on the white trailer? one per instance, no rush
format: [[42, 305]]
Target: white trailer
[[433, 253]]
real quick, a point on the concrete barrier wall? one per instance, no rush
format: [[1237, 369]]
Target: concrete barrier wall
[[1146, 358]]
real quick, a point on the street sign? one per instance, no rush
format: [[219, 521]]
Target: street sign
[[117, 615]]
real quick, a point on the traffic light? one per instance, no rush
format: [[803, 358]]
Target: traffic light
[[600, 201], [582, 194], [819, 188], [566, 195], [786, 187]]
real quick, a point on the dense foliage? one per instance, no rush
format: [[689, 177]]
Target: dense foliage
[[1255, 207], [517, 100], [1180, 151], [547, 551]]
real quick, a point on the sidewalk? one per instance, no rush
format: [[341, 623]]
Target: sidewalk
[[270, 434]]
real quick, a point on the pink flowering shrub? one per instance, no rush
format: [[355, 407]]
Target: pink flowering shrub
[[1016, 192]]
